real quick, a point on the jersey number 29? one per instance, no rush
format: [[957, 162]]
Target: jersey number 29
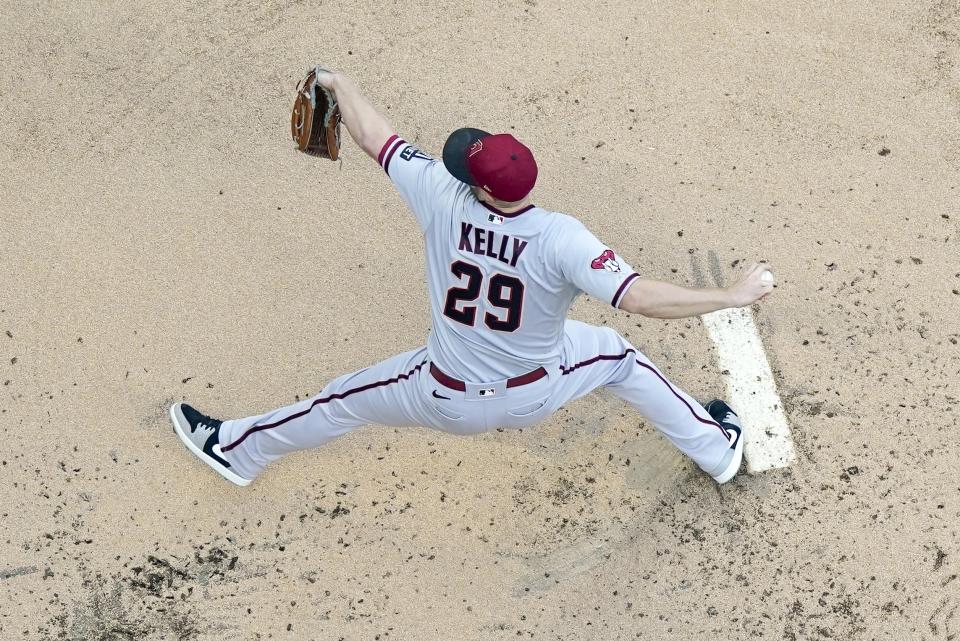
[[505, 292]]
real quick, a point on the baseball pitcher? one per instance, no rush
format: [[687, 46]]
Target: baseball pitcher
[[502, 273]]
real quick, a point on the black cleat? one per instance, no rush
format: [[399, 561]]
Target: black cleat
[[201, 435], [728, 419]]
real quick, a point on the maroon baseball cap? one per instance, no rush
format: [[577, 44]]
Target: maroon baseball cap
[[497, 163]]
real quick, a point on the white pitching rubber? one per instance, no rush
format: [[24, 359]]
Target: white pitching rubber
[[752, 392]]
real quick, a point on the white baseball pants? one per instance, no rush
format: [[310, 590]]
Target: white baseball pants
[[402, 391]]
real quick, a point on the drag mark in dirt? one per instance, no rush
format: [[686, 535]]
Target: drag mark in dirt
[[565, 563], [12, 572], [941, 621]]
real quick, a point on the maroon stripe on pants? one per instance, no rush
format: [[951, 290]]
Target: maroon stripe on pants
[[619, 357], [321, 401], [601, 357], [682, 399]]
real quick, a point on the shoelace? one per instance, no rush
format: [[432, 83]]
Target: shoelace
[[211, 427]]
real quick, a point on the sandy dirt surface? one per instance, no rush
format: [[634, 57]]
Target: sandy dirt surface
[[161, 240]]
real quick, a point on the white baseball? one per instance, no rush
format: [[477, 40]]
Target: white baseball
[[767, 276]]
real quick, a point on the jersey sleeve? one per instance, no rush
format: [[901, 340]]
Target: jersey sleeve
[[423, 182], [593, 267]]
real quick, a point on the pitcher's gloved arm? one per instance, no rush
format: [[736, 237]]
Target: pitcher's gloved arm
[[368, 128], [658, 299]]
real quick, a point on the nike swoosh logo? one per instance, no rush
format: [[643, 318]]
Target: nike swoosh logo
[[213, 450], [734, 433], [435, 395]]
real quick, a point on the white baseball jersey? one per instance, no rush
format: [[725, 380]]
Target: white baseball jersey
[[500, 284], [500, 288]]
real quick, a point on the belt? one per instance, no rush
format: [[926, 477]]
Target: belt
[[460, 386]]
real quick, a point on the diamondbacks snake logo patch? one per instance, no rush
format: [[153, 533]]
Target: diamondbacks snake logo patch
[[607, 260]]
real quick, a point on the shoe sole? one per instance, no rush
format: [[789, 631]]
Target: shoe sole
[[182, 428], [735, 463]]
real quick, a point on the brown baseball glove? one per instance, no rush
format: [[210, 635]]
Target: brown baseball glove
[[315, 122]]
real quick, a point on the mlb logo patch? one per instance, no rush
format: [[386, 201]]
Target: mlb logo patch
[[495, 219], [487, 392]]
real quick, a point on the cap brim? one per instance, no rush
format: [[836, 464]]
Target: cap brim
[[455, 152]]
